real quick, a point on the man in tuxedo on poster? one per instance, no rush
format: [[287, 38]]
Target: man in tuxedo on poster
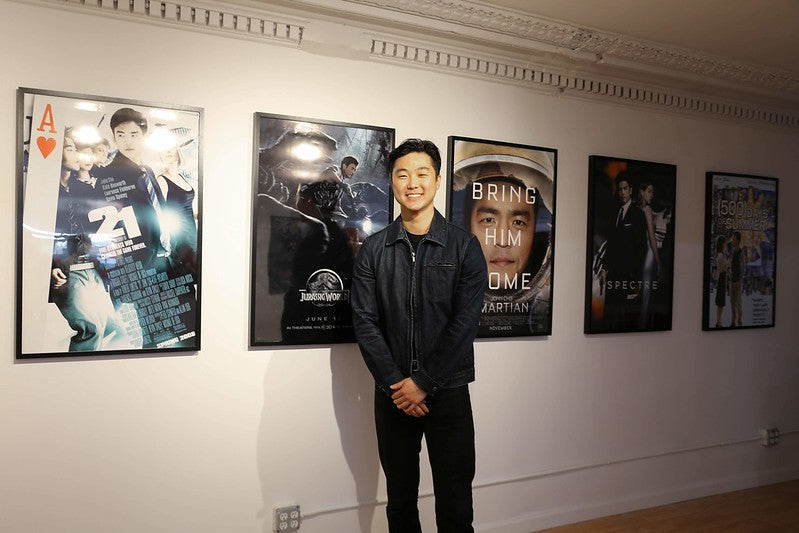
[[622, 269]]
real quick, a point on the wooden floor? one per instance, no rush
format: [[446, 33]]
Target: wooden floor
[[772, 509]]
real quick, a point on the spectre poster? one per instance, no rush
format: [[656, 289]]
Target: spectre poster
[[109, 241], [740, 251], [321, 188], [630, 245], [504, 194]]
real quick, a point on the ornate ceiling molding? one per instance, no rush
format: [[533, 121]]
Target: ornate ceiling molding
[[194, 16], [549, 57], [577, 39], [546, 79]]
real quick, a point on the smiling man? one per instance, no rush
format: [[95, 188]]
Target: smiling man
[[417, 293]]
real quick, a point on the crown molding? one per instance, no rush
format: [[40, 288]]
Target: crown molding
[[464, 38], [210, 17], [568, 83], [568, 37]]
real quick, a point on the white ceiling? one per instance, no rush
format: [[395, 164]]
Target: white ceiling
[[761, 32]]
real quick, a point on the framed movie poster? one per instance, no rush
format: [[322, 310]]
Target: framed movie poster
[[109, 232], [740, 274], [504, 194], [321, 188], [630, 245]]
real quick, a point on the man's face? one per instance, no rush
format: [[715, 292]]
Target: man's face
[[129, 137], [414, 182], [504, 223], [349, 170], [624, 191], [70, 159]]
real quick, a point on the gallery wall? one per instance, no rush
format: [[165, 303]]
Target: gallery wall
[[568, 426]]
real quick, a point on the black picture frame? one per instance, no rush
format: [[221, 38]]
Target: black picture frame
[[106, 265], [746, 271], [309, 221], [504, 193], [630, 252]]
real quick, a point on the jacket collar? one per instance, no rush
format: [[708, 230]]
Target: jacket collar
[[437, 232]]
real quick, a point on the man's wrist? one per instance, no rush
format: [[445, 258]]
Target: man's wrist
[[425, 382]]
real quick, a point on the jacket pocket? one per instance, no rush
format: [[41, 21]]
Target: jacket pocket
[[439, 280]]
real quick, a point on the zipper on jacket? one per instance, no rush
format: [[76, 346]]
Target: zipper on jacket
[[414, 351]]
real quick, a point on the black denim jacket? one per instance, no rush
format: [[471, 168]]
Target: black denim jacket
[[417, 314]]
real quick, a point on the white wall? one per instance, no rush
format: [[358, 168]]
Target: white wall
[[568, 427]]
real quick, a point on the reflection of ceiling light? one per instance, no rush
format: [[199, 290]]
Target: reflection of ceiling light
[[304, 127], [163, 114], [161, 139], [170, 221], [306, 151], [83, 157], [88, 106], [304, 175], [86, 135]]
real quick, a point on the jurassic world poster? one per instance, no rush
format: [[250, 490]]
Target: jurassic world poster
[[321, 188]]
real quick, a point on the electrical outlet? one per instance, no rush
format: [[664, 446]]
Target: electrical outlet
[[287, 519], [769, 436]]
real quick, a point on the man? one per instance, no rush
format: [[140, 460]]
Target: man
[[622, 269], [136, 181], [76, 283], [417, 294], [144, 265], [736, 280], [505, 224], [348, 167]]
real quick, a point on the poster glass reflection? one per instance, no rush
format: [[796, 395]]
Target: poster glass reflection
[[321, 188], [109, 233]]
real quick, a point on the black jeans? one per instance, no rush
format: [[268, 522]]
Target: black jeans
[[449, 431]]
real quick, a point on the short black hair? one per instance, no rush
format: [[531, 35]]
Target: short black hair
[[127, 114], [349, 160], [625, 175], [409, 146]]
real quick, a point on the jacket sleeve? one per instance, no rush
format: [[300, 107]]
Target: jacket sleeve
[[461, 330], [366, 321]]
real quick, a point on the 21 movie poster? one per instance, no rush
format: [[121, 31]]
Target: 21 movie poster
[[109, 258], [630, 245], [504, 194], [740, 276], [321, 188]]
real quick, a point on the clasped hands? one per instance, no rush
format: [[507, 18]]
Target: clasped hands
[[409, 398]]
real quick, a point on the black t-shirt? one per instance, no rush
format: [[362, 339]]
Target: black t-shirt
[[415, 240]]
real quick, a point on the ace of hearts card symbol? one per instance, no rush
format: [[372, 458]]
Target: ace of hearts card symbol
[[46, 145]]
